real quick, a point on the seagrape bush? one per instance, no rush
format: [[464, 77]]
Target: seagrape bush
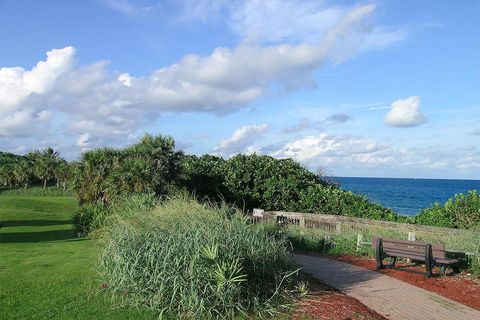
[[461, 211], [186, 260], [251, 181], [336, 201]]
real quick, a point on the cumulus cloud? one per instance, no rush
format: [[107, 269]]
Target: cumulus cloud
[[326, 149], [405, 113], [17, 86], [92, 100], [341, 152], [242, 140], [339, 118]]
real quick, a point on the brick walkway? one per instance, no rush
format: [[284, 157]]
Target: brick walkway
[[392, 298]]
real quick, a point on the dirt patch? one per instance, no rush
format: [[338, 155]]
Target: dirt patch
[[324, 302], [460, 288]]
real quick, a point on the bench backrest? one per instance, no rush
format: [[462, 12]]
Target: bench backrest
[[438, 249]]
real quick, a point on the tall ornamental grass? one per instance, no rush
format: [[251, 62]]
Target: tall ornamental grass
[[187, 260]]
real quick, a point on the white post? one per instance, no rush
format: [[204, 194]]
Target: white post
[[411, 236], [359, 241], [338, 227], [302, 221], [326, 240]]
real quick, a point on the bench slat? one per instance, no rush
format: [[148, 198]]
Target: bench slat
[[405, 255]]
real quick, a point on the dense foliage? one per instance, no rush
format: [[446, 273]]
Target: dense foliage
[[251, 181], [461, 211], [192, 261]]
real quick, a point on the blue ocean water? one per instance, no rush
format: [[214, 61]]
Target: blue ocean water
[[407, 196]]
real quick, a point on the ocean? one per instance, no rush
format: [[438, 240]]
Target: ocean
[[407, 196]]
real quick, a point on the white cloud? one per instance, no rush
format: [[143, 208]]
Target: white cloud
[[341, 152], [405, 113], [326, 149], [242, 140], [126, 79], [17, 86], [91, 100]]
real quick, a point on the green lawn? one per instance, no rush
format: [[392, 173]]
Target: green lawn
[[45, 271]]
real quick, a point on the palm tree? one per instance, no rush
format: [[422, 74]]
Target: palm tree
[[45, 164], [22, 170], [62, 173], [91, 173]]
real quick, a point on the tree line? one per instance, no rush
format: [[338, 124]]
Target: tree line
[[39, 167], [154, 165]]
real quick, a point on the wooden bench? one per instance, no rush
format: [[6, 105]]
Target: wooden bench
[[430, 254]]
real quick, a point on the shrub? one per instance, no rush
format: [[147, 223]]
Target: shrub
[[188, 260], [205, 177], [461, 211], [263, 181], [88, 218], [333, 200], [251, 181]]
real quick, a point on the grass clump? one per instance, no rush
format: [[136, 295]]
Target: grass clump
[[190, 260]]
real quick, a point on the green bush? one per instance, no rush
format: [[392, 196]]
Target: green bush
[[336, 201], [251, 181], [190, 261], [89, 218], [461, 211]]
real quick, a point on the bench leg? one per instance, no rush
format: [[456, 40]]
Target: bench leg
[[393, 262], [428, 260], [379, 253]]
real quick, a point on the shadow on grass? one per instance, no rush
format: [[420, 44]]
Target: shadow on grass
[[20, 223], [52, 235]]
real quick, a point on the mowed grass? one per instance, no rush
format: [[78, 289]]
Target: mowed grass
[[45, 271]]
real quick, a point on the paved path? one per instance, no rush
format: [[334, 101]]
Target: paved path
[[392, 298]]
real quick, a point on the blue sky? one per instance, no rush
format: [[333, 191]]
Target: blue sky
[[383, 88]]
